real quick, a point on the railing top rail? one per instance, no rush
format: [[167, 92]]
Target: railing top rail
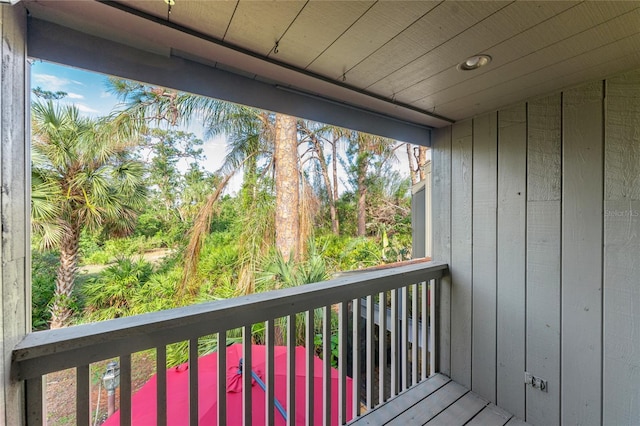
[[52, 350]]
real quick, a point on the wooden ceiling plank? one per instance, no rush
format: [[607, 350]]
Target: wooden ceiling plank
[[441, 24], [495, 29], [612, 58], [257, 25], [531, 48], [209, 18], [387, 18], [319, 24]]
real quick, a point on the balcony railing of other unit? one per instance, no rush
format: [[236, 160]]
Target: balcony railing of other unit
[[382, 350]]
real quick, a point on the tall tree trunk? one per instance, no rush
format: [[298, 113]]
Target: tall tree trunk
[[422, 161], [335, 226], [61, 308], [334, 153], [287, 187], [362, 194], [412, 167]]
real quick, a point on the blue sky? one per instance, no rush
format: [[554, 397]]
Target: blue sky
[[88, 91]]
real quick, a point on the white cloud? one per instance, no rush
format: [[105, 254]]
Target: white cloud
[[105, 95], [86, 109], [74, 96], [50, 82]]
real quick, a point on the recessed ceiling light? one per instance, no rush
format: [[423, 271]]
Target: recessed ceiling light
[[474, 62]]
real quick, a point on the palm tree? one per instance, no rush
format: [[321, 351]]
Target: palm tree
[[316, 134], [287, 187], [255, 137], [362, 148], [83, 177]]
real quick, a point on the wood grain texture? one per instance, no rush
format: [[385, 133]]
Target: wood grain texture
[[621, 399], [485, 183], [544, 150], [460, 411], [347, 51], [53, 350], [543, 310], [461, 251], [316, 28], [512, 153], [441, 240], [403, 402], [490, 415], [622, 159], [418, 221], [431, 406], [425, 75], [582, 218], [621, 371], [417, 39], [14, 206], [544, 159]]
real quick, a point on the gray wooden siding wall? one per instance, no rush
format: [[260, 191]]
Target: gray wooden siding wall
[[536, 208], [14, 208], [418, 221]]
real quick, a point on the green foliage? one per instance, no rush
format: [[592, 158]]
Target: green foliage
[[39, 92], [43, 277], [335, 347], [116, 290], [349, 253], [149, 224], [276, 272]]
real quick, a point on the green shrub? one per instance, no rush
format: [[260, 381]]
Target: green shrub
[[97, 258], [43, 282], [348, 253], [116, 289]]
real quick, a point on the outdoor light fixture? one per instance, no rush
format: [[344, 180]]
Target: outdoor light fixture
[[474, 62], [111, 380]]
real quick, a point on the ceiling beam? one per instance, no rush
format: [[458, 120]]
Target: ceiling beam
[[56, 43]]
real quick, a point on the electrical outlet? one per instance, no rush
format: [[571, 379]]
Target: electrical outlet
[[536, 382]]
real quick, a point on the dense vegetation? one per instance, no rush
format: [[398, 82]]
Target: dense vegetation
[[111, 190]]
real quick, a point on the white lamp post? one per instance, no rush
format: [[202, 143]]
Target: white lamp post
[[111, 380]]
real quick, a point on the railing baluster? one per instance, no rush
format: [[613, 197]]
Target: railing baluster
[[222, 379], [291, 370], [343, 330], [83, 395], [395, 372], [425, 321], [32, 359], [36, 403], [310, 382], [125, 390], [247, 406], [415, 322], [370, 363], [326, 364], [193, 382], [270, 392], [434, 290], [404, 353], [357, 358], [382, 346], [161, 398]]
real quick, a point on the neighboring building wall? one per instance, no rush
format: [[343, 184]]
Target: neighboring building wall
[[15, 263], [421, 216], [536, 208]]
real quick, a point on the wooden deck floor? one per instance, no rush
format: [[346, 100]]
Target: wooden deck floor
[[438, 401]]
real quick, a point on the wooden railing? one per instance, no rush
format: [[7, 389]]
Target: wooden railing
[[383, 355]]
